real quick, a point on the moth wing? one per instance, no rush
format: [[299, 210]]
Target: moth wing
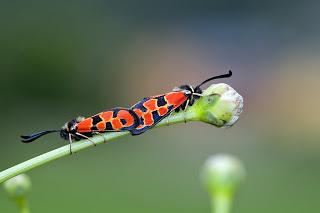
[[164, 104]]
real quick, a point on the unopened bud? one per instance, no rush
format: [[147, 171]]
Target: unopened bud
[[222, 174], [220, 105], [18, 186]]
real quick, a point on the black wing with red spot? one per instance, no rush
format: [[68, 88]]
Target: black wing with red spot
[[116, 119], [152, 110]]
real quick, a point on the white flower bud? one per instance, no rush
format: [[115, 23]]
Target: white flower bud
[[222, 174], [18, 186], [221, 105]]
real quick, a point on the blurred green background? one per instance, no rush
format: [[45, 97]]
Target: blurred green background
[[62, 59]]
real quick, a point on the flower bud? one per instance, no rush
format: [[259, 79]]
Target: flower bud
[[222, 174], [18, 186], [220, 105]]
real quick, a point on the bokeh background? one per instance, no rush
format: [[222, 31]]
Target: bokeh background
[[61, 59]]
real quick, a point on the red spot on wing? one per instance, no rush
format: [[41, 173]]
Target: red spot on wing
[[151, 104], [162, 111], [148, 119], [106, 116], [85, 125], [101, 126], [175, 98], [116, 124], [124, 114]]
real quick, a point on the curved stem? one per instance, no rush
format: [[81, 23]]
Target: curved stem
[[83, 144], [220, 105]]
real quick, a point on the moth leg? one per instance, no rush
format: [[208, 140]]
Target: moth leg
[[98, 133], [86, 137], [70, 142], [184, 111]]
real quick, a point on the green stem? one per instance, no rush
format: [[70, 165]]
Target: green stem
[[23, 205], [221, 204], [220, 105], [182, 116]]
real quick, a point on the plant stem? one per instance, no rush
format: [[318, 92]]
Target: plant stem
[[220, 105], [23, 205], [220, 204], [83, 144]]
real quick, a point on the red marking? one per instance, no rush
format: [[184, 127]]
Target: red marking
[[106, 116], [162, 111], [85, 125], [116, 124], [175, 98], [101, 126], [123, 114], [148, 119], [151, 104]]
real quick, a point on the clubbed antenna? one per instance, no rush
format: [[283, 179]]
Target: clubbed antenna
[[34, 136], [228, 75]]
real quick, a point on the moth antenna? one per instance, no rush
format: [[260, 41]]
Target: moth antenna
[[228, 75], [34, 136]]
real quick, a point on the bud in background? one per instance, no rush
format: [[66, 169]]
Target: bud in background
[[221, 175], [17, 189]]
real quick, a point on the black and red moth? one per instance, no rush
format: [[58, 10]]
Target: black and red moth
[[141, 117], [151, 110], [116, 119]]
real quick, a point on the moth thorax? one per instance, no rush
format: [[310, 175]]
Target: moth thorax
[[70, 127]]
